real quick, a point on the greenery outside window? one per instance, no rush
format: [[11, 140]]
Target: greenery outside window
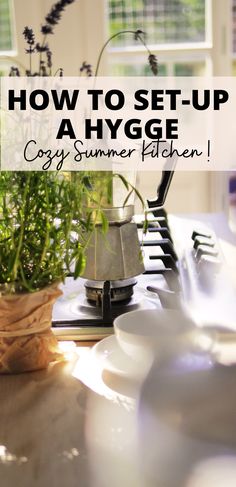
[[178, 31]]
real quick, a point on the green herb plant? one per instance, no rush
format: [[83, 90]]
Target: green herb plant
[[43, 230]]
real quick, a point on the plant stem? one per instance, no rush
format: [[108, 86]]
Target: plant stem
[[40, 55], [27, 286], [46, 239], [138, 36], [22, 228], [57, 71], [30, 62]]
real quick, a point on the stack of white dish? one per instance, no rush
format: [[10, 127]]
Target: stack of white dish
[[185, 403], [142, 337]]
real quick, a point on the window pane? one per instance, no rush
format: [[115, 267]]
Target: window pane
[[136, 67], [5, 26], [164, 21], [190, 69]]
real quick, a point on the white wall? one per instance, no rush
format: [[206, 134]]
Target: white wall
[[73, 41], [189, 192]]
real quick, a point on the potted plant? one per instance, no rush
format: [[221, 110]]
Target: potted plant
[[44, 230], [46, 223]]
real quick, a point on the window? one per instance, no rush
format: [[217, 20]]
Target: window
[[163, 21], [178, 31]]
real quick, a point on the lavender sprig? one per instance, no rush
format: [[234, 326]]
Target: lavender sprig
[[41, 48], [14, 71], [51, 20], [46, 29], [49, 61], [30, 39], [152, 59], [29, 36], [53, 17], [137, 33], [43, 70], [87, 68]]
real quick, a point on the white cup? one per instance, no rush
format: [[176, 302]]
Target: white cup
[[147, 334]]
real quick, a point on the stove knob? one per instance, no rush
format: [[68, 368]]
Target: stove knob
[[206, 250], [203, 241], [209, 265], [208, 269], [199, 233]]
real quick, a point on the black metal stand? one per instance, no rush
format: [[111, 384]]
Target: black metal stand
[[106, 318]]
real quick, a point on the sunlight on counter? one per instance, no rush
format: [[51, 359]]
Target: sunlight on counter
[[7, 458], [219, 471]]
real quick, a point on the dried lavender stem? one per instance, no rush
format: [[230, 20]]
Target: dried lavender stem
[[113, 37]]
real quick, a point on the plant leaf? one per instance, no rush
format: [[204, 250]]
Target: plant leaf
[[80, 265], [128, 197], [87, 183], [105, 224], [124, 181]]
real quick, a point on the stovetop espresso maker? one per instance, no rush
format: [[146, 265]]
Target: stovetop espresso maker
[[114, 260]]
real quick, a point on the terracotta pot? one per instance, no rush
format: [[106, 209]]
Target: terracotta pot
[[26, 340]]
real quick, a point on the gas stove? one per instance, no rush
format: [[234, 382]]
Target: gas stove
[[184, 267]]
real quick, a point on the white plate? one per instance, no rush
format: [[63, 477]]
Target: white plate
[[108, 353], [108, 371]]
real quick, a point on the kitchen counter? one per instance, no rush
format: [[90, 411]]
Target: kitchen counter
[[42, 429], [55, 431]]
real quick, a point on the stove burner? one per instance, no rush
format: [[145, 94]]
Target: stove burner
[[107, 299], [120, 291]]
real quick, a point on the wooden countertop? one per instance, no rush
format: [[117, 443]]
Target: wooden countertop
[[42, 429], [55, 431]]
